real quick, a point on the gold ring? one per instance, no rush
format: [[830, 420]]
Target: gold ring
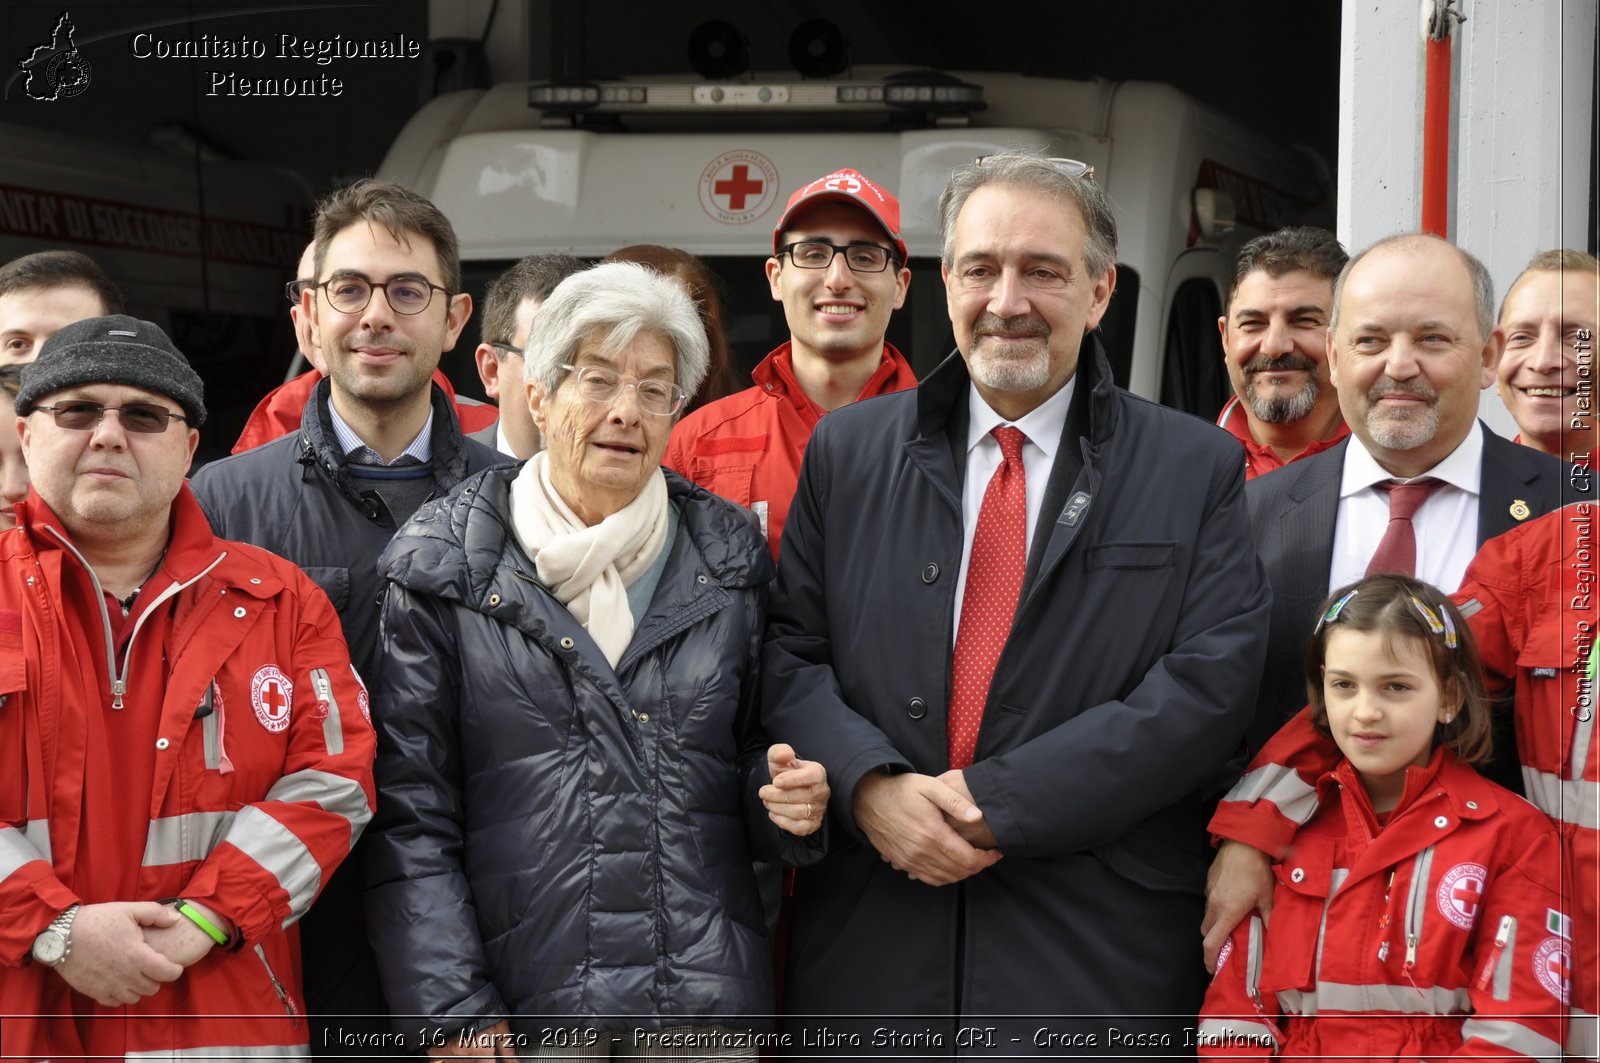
[[808, 809]]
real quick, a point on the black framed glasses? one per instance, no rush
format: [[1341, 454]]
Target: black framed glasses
[[406, 295], [296, 288], [599, 385], [819, 254], [85, 416], [1070, 167], [509, 348]]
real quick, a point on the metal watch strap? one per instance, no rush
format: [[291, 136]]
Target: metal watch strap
[[62, 924]]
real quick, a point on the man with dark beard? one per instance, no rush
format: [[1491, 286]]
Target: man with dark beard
[[1275, 339]]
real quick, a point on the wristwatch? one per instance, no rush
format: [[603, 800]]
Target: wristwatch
[[54, 945]]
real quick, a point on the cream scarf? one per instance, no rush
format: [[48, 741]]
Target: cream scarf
[[588, 569]]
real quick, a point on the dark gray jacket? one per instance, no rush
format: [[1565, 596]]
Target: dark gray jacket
[[557, 837], [294, 496]]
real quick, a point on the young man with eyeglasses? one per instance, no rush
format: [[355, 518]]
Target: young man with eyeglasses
[[376, 439], [839, 269], [278, 412], [149, 866]]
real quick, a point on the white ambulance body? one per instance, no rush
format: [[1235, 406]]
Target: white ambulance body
[[708, 166]]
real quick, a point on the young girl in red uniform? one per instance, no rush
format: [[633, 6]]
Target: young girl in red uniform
[[1418, 914]]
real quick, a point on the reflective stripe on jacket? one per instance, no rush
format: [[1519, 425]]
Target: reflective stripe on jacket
[[261, 781], [1429, 937]]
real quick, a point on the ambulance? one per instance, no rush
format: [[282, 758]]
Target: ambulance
[[202, 248], [704, 165]]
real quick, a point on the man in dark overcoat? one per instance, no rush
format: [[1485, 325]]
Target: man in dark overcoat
[[1020, 622]]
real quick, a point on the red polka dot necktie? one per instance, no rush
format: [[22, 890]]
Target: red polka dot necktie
[[1397, 550], [989, 604]]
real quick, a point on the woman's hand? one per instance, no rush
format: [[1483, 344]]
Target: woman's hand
[[797, 797]]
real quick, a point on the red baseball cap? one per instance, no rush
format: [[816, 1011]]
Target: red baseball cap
[[846, 186]]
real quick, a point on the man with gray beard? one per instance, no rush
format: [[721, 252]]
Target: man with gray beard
[[1275, 341], [1420, 483], [1014, 621]]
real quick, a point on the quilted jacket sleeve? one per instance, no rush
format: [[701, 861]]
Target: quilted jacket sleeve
[[420, 914]]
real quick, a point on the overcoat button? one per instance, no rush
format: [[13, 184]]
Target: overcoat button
[[644, 717], [494, 599], [916, 708], [566, 643], [930, 572], [1472, 805], [1297, 875], [239, 612], [1441, 822], [162, 743]]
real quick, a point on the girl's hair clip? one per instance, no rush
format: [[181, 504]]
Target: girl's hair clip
[[1335, 609], [1439, 623]]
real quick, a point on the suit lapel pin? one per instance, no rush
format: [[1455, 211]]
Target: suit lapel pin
[[1520, 510]]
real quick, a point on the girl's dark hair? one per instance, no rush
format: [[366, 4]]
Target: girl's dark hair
[[1398, 605]]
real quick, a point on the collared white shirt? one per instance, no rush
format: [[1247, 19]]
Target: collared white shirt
[[501, 443], [1446, 524], [1042, 426], [419, 452]]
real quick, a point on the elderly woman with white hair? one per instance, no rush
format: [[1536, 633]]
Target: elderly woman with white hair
[[573, 780]]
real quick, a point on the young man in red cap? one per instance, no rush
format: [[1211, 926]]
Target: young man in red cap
[[838, 266]]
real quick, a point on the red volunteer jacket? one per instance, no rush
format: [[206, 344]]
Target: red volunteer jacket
[[1259, 459], [1529, 596], [1435, 937], [747, 447], [279, 412], [228, 698]]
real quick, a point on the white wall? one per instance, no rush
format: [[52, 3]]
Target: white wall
[[1523, 96]]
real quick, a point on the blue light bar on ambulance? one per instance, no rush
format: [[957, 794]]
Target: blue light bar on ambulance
[[932, 91]]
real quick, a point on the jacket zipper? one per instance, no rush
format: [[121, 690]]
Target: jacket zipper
[[119, 682], [283, 994], [1420, 870], [332, 727]]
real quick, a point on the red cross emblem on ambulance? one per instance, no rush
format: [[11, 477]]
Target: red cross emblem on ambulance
[[272, 695], [738, 186], [1460, 894]]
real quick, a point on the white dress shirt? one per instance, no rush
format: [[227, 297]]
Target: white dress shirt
[[1042, 426], [1446, 524]]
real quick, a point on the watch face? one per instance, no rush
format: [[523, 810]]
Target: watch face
[[49, 947]]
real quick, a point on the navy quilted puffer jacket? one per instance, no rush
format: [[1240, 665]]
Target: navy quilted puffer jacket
[[555, 837]]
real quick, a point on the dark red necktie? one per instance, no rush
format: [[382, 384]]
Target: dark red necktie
[[1397, 550], [989, 603]]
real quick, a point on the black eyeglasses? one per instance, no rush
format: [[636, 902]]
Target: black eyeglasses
[[296, 288], [1070, 167], [408, 295], [508, 348], [135, 416], [819, 254]]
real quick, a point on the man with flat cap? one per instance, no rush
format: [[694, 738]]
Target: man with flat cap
[[185, 754]]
